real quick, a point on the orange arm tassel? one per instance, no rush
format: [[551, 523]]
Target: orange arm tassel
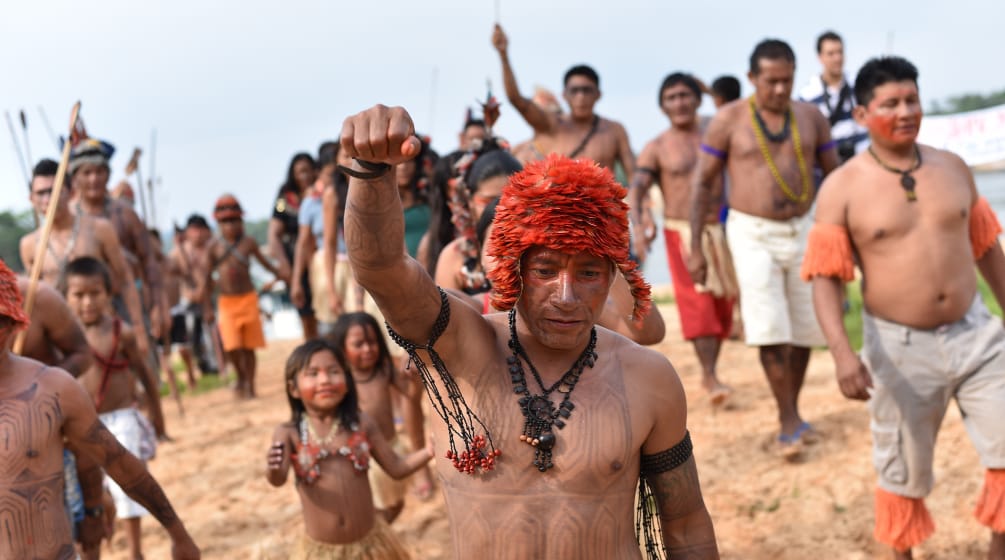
[[984, 227], [828, 253]]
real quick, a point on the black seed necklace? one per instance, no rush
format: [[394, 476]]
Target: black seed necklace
[[906, 180], [782, 134], [539, 412]]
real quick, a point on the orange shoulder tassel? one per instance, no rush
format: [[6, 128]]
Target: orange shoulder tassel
[[828, 253], [991, 503], [984, 227], [902, 523]]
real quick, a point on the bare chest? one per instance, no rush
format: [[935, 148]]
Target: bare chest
[[600, 145], [30, 431], [594, 451], [882, 213]]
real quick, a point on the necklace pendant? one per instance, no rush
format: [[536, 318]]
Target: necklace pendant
[[908, 183]]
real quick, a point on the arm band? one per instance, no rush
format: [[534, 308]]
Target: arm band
[[828, 253], [713, 151], [648, 170], [826, 146], [984, 227], [667, 460]]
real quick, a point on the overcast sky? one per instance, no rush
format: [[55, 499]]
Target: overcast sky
[[235, 88]]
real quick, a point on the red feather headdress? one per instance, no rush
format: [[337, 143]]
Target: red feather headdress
[[564, 205], [10, 298]]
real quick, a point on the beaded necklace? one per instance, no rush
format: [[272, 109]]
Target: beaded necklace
[[539, 412], [760, 131], [313, 449]]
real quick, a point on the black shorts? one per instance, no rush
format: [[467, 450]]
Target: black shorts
[[186, 328], [179, 332]]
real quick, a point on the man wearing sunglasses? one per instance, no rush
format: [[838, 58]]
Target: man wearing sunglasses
[[580, 133], [76, 235]]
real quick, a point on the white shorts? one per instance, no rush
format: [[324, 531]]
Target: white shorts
[[775, 303], [124, 424]]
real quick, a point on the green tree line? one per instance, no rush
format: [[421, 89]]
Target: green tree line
[[13, 226], [967, 102]]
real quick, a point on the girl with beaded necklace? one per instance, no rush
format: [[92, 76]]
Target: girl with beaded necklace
[[328, 443]]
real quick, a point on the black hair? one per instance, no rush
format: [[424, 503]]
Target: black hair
[[87, 267], [340, 331], [486, 219], [582, 70], [727, 88], [494, 163], [326, 145], [154, 232], [44, 168], [879, 71], [347, 411], [196, 221], [328, 154], [441, 229], [771, 49], [418, 183], [291, 181], [679, 78], [469, 122], [827, 36]]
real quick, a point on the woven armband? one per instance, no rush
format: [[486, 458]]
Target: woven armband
[[828, 253], [984, 227], [667, 460]]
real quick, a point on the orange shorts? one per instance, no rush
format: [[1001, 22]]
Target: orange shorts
[[239, 322]]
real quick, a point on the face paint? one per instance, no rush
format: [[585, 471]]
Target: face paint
[[894, 114]]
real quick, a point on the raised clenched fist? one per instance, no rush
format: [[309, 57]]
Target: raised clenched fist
[[380, 135]]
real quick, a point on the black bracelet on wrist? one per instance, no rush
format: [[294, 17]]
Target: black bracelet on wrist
[[96, 511], [373, 170]]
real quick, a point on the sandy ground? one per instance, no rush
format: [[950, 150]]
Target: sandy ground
[[820, 508]]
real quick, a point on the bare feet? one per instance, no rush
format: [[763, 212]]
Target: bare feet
[[719, 395], [718, 392]]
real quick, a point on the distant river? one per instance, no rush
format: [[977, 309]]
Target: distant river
[[990, 184]]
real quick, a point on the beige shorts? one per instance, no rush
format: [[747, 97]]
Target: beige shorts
[[775, 303], [387, 492], [915, 375], [319, 287]]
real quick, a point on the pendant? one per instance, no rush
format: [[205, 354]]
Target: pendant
[[908, 183]]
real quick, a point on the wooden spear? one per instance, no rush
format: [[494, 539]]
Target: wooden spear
[[43, 240]]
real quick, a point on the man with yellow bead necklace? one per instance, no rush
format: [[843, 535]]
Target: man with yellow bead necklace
[[769, 145]]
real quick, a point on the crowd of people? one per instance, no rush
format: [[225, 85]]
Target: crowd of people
[[504, 283]]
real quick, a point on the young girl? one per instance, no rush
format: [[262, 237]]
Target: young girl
[[328, 443], [359, 338]]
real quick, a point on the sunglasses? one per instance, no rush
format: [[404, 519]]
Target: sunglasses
[[573, 91]]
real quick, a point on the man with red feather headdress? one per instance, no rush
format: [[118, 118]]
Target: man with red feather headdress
[[550, 422]]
